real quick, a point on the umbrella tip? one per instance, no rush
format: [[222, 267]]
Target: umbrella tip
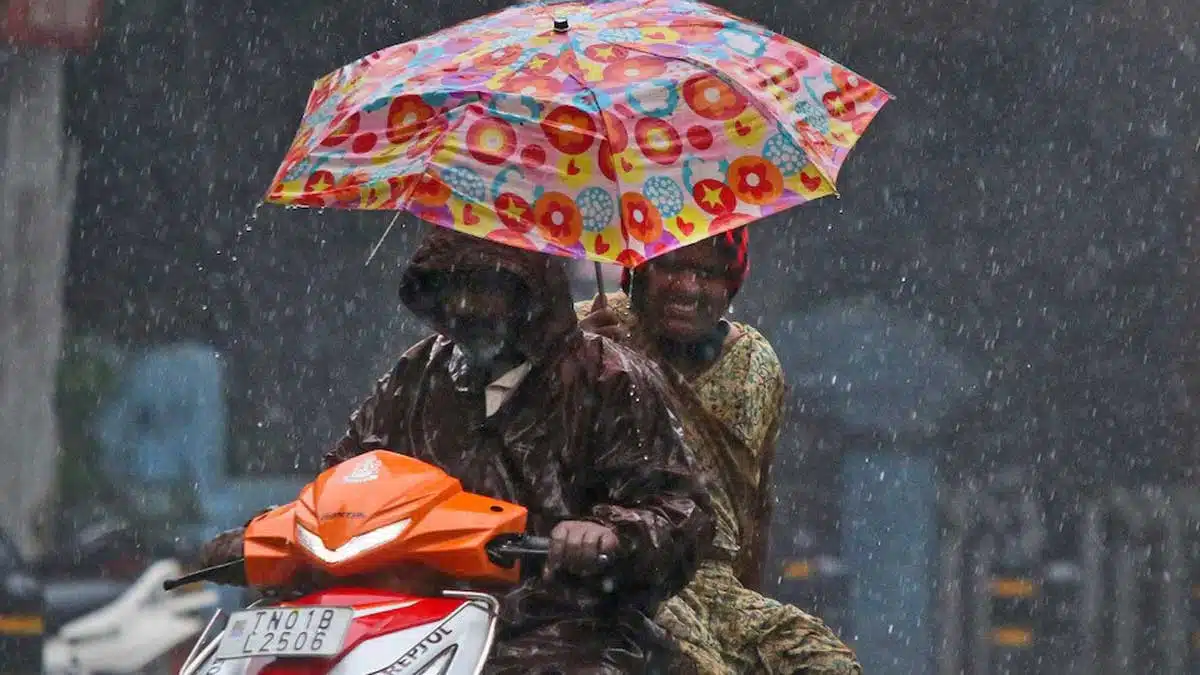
[[561, 25]]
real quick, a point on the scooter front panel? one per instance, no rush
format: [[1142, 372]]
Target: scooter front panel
[[459, 644], [395, 635]]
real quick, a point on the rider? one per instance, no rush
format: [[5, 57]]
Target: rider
[[726, 373], [512, 398]]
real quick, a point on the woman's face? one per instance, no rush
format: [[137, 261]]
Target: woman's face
[[684, 293]]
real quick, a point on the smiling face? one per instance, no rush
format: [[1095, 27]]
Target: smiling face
[[683, 294]]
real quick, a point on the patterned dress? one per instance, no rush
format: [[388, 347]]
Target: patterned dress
[[724, 627]]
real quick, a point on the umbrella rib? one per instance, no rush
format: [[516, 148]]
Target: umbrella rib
[[604, 130], [383, 236]]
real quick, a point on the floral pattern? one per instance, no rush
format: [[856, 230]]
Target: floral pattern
[[647, 125]]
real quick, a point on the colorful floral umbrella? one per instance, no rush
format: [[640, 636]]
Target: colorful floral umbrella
[[609, 130]]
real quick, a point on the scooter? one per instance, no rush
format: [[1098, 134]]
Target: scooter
[[114, 627], [399, 558]]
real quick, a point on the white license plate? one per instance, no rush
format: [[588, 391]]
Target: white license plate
[[285, 631]]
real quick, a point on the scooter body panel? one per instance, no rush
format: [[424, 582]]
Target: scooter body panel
[[391, 634]]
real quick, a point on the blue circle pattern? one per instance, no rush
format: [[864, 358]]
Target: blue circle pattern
[[783, 152], [619, 35], [465, 182], [816, 116], [596, 206], [663, 95], [733, 38], [665, 194], [533, 109]]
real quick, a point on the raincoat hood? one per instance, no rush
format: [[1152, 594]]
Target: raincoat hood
[[551, 315]]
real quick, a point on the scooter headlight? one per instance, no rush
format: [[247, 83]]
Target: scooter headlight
[[356, 546]]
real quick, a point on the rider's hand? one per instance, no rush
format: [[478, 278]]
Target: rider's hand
[[223, 548], [601, 320], [576, 547]]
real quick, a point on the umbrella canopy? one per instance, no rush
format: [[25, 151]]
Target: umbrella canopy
[[609, 130]]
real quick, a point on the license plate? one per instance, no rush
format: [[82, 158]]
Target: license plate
[[285, 631]]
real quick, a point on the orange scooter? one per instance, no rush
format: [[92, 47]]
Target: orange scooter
[[400, 558]]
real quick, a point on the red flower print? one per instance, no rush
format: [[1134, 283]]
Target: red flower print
[[712, 98], [569, 129], [514, 212], [424, 77], [797, 59], [634, 69], [558, 219], [568, 62], [697, 30], [428, 191], [728, 221], [499, 58], [714, 197], [510, 238], [614, 130], [606, 53], [349, 190], [321, 92], [847, 81], [630, 258], [851, 92], [530, 85], [604, 156], [639, 218], [430, 135], [395, 58], [658, 140], [342, 131], [768, 72], [755, 180], [542, 64], [407, 116], [491, 140]]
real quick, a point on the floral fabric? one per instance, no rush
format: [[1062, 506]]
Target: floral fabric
[[642, 126]]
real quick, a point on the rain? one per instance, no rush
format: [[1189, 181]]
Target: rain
[[988, 460]]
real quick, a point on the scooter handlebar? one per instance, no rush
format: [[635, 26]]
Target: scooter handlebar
[[507, 550], [206, 574], [504, 551]]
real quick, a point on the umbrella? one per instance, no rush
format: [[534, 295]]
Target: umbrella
[[613, 130]]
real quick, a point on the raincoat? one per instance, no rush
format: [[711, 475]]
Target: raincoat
[[731, 413], [587, 435]]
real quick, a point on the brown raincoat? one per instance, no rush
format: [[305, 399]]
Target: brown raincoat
[[588, 435]]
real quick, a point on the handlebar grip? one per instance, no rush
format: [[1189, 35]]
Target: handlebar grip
[[507, 551], [532, 542], [214, 574], [544, 542]]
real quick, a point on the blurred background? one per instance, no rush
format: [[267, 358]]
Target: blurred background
[[990, 463]]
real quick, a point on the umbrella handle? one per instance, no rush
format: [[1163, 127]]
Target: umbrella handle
[[601, 298]]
